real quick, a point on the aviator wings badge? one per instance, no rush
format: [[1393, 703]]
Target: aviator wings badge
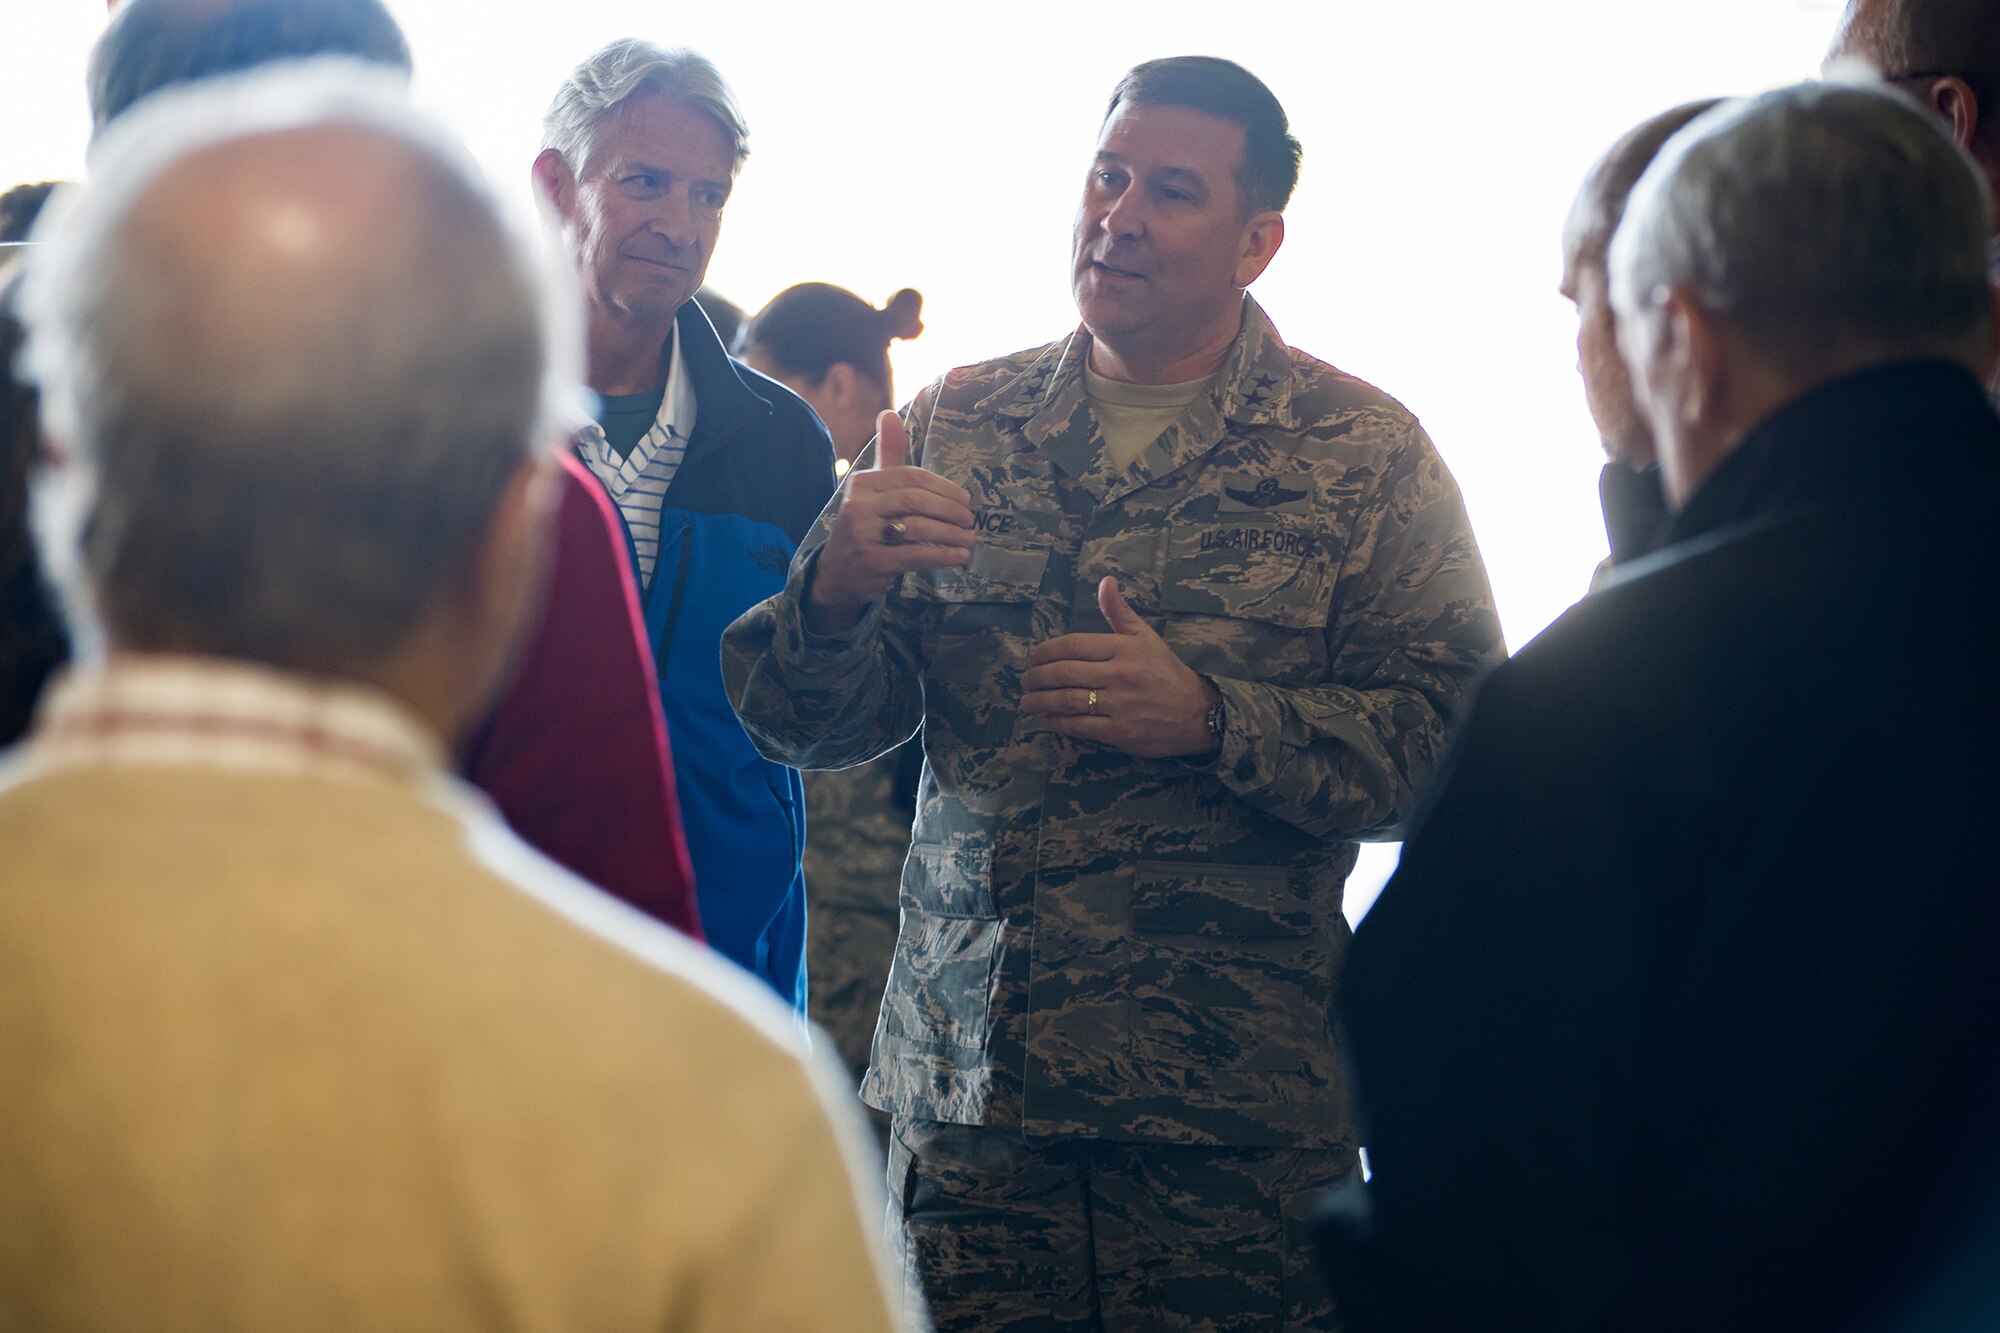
[[1268, 494]]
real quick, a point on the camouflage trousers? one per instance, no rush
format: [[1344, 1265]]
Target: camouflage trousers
[[1005, 1235]]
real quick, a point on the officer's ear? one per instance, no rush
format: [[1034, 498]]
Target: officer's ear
[[1262, 235]]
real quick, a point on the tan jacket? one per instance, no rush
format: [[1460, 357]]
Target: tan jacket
[[330, 1049]]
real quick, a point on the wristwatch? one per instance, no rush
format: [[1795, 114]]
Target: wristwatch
[[1218, 713]]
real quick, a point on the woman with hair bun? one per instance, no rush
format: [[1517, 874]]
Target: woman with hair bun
[[832, 349]]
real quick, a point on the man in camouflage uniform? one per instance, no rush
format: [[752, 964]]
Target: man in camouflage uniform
[[1165, 676]]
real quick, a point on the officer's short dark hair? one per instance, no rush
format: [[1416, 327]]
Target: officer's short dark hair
[[1270, 168], [152, 44]]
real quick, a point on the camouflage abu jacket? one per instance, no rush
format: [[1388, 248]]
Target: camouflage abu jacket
[[1095, 944]]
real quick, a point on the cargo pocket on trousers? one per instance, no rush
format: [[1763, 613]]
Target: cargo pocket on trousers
[[940, 992]]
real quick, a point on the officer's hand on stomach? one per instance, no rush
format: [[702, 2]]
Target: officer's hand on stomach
[[893, 518], [1125, 689]]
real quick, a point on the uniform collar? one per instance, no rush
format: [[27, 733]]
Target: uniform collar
[[1253, 389]]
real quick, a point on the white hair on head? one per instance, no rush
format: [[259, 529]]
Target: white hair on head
[[629, 68], [294, 479], [1815, 219]]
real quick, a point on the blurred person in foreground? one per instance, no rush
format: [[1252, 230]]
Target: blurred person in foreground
[[716, 471], [574, 749], [832, 348], [1681, 1011], [1635, 508], [33, 642], [1182, 613], [294, 1033]]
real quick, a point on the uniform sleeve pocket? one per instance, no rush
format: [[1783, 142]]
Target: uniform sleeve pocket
[[1220, 901], [950, 880], [940, 991]]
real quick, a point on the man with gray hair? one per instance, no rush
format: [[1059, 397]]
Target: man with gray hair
[[1681, 1011], [293, 1032], [717, 471], [1629, 487]]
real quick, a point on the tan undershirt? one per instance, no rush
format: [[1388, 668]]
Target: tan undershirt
[[1132, 416]]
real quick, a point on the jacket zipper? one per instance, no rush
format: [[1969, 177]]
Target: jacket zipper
[[674, 606]]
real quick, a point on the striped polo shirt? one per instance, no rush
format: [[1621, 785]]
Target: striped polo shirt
[[638, 481]]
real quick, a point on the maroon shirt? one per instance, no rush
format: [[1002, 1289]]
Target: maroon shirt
[[575, 752]]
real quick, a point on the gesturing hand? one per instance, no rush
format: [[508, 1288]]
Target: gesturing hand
[[893, 518], [1125, 689]]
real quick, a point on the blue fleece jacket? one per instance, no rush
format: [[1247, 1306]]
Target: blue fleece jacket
[[757, 472]]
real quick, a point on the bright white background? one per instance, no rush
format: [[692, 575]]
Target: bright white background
[[903, 143]]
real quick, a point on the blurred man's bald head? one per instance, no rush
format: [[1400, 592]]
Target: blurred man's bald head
[[278, 267], [295, 357]]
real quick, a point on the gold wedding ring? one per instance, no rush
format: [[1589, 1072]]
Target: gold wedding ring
[[895, 532], [1090, 702]]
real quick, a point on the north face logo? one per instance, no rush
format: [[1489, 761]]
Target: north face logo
[[771, 559]]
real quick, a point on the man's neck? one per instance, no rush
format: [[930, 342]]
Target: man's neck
[[627, 356], [1165, 365]]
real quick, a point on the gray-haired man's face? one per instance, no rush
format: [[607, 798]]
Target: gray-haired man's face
[[643, 218]]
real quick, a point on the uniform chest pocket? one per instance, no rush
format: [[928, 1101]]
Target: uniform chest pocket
[[989, 602], [996, 573], [1278, 572]]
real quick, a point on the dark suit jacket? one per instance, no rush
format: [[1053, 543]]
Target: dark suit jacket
[[1683, 1010]]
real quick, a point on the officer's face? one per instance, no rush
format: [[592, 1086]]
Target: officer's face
[[1164, 246], [641, 215]]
